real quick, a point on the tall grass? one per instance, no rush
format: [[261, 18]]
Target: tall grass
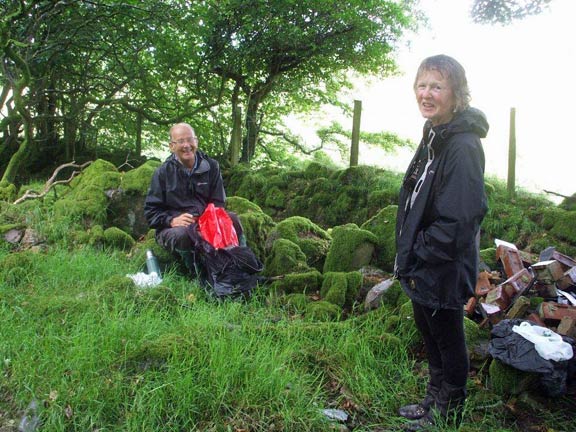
[[96, 353]]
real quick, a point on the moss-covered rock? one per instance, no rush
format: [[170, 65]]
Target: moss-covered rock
[[310, 238], [334, 288], [7, 227], [137, 181], [390, 295], [253, 187], [488, 257], [561, 223], [341, 288], [240, 205], [473, 333], [351, 249], [8, 191], [383, 226], [307, 282], [322, 311], [275, 198], [506, 380], [256, 224], [284, 258], [116, 238], [87, 201]]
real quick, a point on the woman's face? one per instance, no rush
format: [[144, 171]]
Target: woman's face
[[435, 97]]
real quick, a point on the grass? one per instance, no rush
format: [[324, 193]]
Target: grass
[[94, 353]]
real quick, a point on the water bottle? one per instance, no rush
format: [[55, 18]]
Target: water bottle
[[152, 264]]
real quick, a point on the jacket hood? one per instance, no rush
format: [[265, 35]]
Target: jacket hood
[[470, 120]]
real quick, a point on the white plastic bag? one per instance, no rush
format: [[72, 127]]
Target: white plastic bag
[[548, 344]]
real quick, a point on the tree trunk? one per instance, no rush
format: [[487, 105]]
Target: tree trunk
[[139, 121], [252, 128]]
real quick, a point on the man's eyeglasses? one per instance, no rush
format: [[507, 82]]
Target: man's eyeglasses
[[183, 141]]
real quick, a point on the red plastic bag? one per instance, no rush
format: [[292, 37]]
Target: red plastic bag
[[216, 227]]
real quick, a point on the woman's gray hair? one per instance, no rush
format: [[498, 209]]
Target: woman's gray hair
[[451, 70]]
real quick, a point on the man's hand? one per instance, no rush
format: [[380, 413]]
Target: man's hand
[[184, 219]]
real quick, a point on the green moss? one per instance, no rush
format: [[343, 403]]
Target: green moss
[[96, 235], [506, 380], [241, 205], [8, 191], [383, 226], [318, 169], [299, 282], [17, 266], [322, 311], [256, 224], [7, 227], [351, 249], [312, 240], [488, 257], [87, 201], [354, 280], [137, 181], [341, 288], [563, 226], [253, 187], [334, 288], [474, 333], [116, 238], [285, 257], [275, 198]]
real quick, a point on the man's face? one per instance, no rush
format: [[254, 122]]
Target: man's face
[[183, 144]]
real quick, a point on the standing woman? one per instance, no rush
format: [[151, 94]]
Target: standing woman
[[441, 206]]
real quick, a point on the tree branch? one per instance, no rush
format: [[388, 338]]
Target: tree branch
[[51, 182]]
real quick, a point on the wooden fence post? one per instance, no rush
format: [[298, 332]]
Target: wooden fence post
[[512, 155], [354, 149]]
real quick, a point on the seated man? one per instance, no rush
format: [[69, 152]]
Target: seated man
[[180, 190]]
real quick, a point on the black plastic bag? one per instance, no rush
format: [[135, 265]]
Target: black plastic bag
[[230, 272], [514, 350]]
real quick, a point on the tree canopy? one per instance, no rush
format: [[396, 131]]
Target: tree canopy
[[506, 11], [87, 77]]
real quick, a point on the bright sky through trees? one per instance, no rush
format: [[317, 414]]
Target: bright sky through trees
[[528, 65]]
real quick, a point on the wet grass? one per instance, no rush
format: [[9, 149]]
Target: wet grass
[[82, 349]]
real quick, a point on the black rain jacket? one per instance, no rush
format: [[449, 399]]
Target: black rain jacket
[[436, 238], [174, 191]]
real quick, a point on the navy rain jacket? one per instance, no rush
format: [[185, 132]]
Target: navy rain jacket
[[174, 191], [436, 238]]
